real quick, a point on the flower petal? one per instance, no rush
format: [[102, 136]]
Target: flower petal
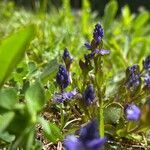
[[104, 52], [88, 46], [61, 97]]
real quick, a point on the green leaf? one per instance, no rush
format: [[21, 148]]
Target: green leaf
[[8, 98], [110, 13], [7, 137], [5, 119], [141, 20], [51, 131], [85, 16], [112, 113], [50, 70], [35, 97], [12, 50], [126, 15], [31, 68]]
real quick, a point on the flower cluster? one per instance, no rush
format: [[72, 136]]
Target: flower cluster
[[88, 138], [95, 46], [89, 95], [98, 33], [93, 88], [134, 75], [62, 77], [134, 78], [67, 58]]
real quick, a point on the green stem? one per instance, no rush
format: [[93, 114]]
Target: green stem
[[101, 120], [98, 82]]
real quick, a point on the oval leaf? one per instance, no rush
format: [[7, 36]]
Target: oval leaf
[[12, 50], [35, 97]]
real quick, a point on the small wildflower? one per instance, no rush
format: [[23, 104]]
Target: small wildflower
[[133, 77], [62, 77], [71, 142], [89, 94], [67, 58], [134, 69], [89, 135], [88, 138], [98, 33], [146, 63], [61, 97], [102, 52], [89, 132], [134, 81], [132, 112]]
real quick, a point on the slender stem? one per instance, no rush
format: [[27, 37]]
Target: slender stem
[[98, 82], [101, 120], [62, 116]]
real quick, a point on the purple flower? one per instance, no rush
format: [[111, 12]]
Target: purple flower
[[89, 94], [61, 97], [98, 33], [132, 112], [67, 58], [62, 77], [89, 56], [96, 144], [89, 132], [102, 52], [146, 63], [71, 142], [133, 77], [88, 46], [132, 70], [88, 138], [134, 81]]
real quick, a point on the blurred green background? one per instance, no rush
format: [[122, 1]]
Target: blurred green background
[[97, 5], [60, 25]]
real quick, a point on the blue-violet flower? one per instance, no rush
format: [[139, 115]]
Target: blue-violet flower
[[71, 142], [61, 97], [133, 77], [132, 112], [89, 95], [88, 138], [62, 77], [98, 33], [67, 58]]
